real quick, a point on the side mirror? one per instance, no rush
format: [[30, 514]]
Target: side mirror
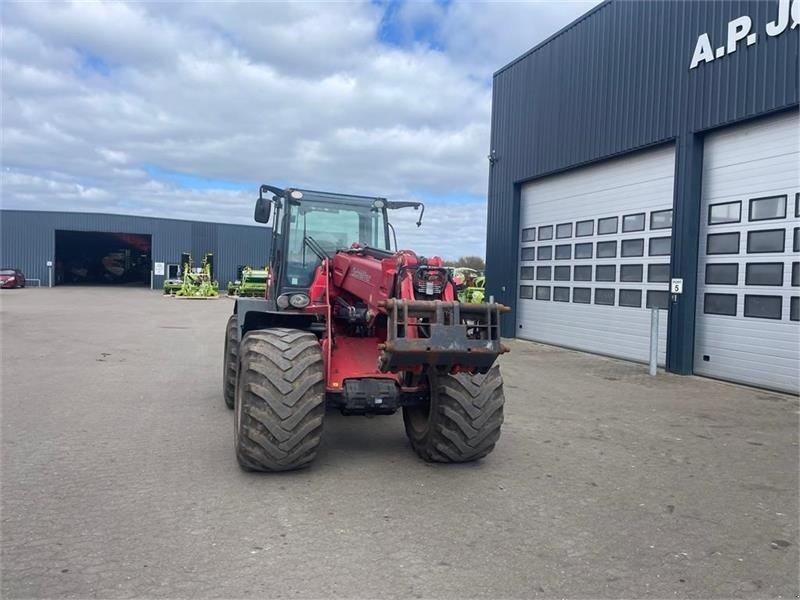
[[263, 210]]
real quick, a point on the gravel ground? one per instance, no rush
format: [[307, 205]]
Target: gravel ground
[[119, 480]]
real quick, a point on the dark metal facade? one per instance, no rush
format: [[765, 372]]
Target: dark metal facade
[[27, 240], [617, 80]]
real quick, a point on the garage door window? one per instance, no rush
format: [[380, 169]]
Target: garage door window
[[528, 254], [604, 296], [720, 304], [542, 292], [764, 274], [658, 273], [563, 252], [560, 294], [564, 230], [766, 240], [561, 274], [546, 232], [763, 209], [529, 234], [657, 299], [794, 308], [582, 295], [583, 273], [607, 225], [526, 292], [630, 298], [543, 273], [722, 274], [661, 219], [544, 252], [796, 274], [526, 273], [725, 212], [633, 223], [584, 228], [722, 243], [631, 272], [583, 250], [633, 247], [606, 249], [605, 273], [762, 307], [660, 246]]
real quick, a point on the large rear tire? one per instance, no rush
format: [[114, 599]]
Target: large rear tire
[[462, 420], [230, 362], [280, 400]]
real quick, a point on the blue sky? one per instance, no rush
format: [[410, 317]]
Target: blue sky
[[182, 109]]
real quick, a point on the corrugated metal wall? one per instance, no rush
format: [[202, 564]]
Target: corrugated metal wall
[[27, 240], [616, 80]]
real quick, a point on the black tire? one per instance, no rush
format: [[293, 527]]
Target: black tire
[[280, 400], [230, 362], [462, 421]]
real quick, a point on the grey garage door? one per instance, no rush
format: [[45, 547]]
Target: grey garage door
[[594, 254], [747, 306]]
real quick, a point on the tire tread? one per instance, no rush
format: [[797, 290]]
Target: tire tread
[[467, 414], [282, 394]]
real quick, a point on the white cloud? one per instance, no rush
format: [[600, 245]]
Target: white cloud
[[100, 97]]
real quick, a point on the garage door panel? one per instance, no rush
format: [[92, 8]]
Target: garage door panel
[[749, 375], [629, 199], [764, 138], [742, 163], [620, 332], [735, 182], [639, 183]]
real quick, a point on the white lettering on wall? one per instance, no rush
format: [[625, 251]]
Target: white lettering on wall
[[740, 29]]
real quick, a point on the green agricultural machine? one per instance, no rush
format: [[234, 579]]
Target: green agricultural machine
[[252, 283], [470, 285], [197, 282], [475, 293]]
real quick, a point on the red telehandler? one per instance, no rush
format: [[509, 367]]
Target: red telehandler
[[351, 324]]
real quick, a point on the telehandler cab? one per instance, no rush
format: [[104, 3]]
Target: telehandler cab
[[349, 323]]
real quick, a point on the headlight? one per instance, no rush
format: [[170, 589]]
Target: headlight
[[282, 301], [299, 300]]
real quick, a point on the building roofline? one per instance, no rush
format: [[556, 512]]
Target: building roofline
[[98, 214], [558, 33]]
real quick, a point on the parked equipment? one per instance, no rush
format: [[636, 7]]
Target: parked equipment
[[251, 283], [350, 323], [196, 282], [470, 285], [11, 278], [174, 279]]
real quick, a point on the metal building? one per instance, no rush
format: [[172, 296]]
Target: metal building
[[651, 148], [92, 248]]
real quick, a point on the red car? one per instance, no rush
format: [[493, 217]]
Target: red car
[[11, 278]]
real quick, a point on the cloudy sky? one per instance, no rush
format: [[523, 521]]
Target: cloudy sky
[[182, 109]]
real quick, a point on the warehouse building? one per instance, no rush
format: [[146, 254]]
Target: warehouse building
[[647, 155], [70, 248]]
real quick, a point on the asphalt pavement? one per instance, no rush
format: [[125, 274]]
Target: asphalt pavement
[[119, 478]]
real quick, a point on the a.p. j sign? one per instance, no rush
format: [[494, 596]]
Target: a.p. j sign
[[741, 30]]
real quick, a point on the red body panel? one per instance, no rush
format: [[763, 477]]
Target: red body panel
[[354, 358]]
